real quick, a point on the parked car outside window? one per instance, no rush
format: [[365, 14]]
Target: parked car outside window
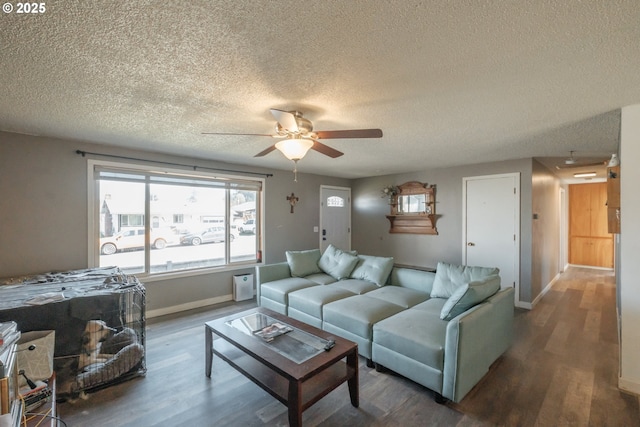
[[248, 227], [211, 234], [133, 238]]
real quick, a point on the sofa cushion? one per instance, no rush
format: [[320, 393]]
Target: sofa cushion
[[311, 300], [468, 295], [337, 263], [375, 269], [355, 286], [432, 305], [303, 263], [420, 280], [358, 314], [279, 289], [403, 297], [450, 277], [417, 334], [321, 278]]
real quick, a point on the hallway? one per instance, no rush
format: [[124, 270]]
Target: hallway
[[563, 366]]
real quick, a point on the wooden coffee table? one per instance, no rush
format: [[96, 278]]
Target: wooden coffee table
[[272, 366]]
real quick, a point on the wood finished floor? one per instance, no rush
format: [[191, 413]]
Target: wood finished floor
[[561, 371]]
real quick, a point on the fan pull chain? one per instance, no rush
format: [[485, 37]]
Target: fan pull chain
[[295, 171]]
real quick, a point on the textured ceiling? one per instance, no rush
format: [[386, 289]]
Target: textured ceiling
[[449, 83]]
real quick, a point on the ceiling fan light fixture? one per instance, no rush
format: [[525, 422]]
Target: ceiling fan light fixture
[[294, 148]]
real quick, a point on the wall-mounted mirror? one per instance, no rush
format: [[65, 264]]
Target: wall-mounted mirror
[[413, 198], [412, 203], [413, 209]]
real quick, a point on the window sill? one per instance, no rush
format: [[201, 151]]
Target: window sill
[[159, 277]]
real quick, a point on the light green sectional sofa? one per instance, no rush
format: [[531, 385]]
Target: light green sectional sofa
[[442, 330]]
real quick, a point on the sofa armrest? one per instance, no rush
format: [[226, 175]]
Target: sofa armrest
[[270, 272], [475, 339]]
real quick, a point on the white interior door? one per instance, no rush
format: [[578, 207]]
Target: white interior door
[[335, 217], [491, 225]]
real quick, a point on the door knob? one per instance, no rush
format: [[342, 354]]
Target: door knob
[[471, 244]]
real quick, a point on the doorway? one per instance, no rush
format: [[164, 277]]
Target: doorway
[[491, 225], [335, 217]]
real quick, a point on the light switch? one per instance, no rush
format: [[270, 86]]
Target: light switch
[[315, 229]]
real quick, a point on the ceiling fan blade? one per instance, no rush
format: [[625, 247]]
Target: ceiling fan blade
[[326, 150], [266, 151], [236, 134], [353, 133], [286, 119]]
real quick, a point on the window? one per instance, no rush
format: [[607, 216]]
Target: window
[[159, 221], [335, 202], [131, 220]]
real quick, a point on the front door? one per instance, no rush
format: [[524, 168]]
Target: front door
[[335, 217], [491, 221]]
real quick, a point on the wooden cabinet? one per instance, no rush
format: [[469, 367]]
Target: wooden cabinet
[[613, 199], [589, 240], [592, 251]]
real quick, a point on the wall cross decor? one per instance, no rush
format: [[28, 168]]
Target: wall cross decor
[[292, 201]]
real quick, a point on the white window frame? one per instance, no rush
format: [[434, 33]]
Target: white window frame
[[93, 209]]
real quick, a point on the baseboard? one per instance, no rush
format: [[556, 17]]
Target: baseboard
[[546, 289], [188, 306], [628, 386], [530, 305], [525, 305], [589, 266]]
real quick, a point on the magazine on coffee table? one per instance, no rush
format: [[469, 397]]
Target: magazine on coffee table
[[268, 333]]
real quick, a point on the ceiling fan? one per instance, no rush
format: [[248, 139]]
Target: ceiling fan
[[299, 136]]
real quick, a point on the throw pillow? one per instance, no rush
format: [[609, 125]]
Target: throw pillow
[[303, 263], [337, 263], [469, 295], [449, 277], [373, 268]]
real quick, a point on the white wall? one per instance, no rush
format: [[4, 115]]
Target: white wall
[[630, 250]]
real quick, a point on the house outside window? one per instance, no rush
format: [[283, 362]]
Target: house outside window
[[149, 221]]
